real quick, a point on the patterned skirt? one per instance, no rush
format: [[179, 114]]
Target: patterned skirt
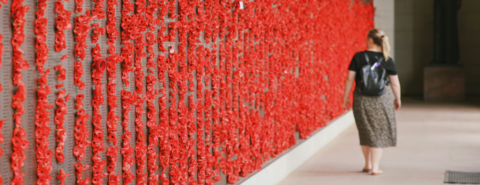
[[375, 119]]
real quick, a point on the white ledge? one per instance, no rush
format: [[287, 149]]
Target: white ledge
[[276, 171]]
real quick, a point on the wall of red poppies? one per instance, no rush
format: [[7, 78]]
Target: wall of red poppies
[[167, 91]]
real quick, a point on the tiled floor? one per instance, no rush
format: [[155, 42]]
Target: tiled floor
[[432, 138]]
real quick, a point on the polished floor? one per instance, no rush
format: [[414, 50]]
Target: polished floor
[[432, 138]]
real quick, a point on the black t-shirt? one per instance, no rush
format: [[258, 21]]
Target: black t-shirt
[[359, 61]]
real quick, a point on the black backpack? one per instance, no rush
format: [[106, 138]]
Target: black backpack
[[373, 78]]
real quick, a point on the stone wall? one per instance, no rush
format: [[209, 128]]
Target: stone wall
[[385, 20]]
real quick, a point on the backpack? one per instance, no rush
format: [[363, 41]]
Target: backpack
[[373, 78]]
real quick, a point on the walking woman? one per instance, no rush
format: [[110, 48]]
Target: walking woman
[[375, 98]]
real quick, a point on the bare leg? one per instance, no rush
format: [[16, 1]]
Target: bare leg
[[376, 154], [366, 154]]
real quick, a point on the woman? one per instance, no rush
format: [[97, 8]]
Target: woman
[[374, 115]]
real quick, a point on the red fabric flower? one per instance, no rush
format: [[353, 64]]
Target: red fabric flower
[[111, 68], [19, 141], [62, 23], [61, 176], [42, 130], [98, 70]]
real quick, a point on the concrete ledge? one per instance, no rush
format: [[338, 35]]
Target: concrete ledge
[[275, 172]]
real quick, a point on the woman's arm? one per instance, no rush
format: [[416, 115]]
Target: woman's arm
[[348, 88], [395, 83]]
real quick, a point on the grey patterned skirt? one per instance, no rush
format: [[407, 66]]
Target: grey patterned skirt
[[375, 119]]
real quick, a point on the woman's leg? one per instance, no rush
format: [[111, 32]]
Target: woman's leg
[[366, 154], [376, 154]]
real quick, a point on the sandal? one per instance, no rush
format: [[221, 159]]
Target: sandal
[[367, 170]]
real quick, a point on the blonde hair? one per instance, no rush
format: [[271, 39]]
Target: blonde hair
[[380, 39]]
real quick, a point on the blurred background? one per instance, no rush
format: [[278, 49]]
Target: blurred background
[[410, 26]]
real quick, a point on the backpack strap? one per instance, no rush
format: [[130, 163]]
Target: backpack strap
[[366, 58]]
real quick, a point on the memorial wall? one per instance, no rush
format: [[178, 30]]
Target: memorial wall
[[167, 91]]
